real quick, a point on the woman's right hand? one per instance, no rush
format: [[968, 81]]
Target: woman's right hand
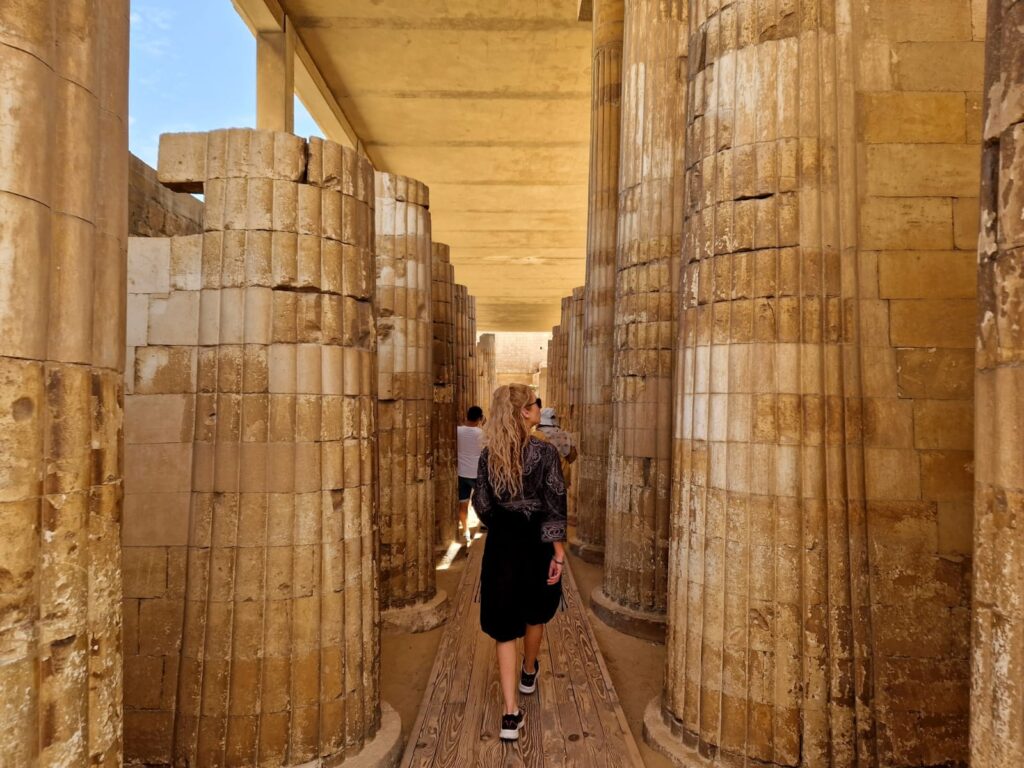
[[555, 571]]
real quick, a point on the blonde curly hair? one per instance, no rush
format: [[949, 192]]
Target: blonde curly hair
[[505, 435]]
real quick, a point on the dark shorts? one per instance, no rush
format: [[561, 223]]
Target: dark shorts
[[466, 486]]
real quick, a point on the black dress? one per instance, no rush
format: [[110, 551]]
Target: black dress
[[513, 581]]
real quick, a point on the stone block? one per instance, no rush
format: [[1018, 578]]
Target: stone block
[[956, 528], [947, 475], [165, 370], [186, 263], [174, 319], [944, 424], [149, 264], [161, 468], [137, 320], [939, 66], [159, 418], [920, 223], [966, 224], [181, 161], [933, 323], [935, 20], [927, 275], [144, 570], [923, 170], [892, 473], [152, 519], [903, 117], [946, 374]]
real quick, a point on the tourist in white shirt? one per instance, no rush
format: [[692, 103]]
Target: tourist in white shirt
[[469, 438]]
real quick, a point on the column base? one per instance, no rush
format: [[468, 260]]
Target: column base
[[660, 738], [383, 751], [588, 553], [643, 624], [418, 617]]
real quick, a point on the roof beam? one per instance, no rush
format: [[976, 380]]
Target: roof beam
[[266, 18]]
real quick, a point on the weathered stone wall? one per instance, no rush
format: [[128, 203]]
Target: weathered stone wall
[[445, 420], [63, 217], [156, 211], [250, 540], [405, 397], [632, 597], [599, 292], [997, 699], [820, 547]]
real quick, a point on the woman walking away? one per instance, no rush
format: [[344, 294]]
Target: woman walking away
[[520, 497]]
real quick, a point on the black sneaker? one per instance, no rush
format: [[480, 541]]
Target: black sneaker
[[528, 680], [510, 726]]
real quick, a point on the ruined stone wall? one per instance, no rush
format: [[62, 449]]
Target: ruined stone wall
[[405, 397], [445, 419], [156, 211], [650, 223], [599, 292], [63, 217], [997, 699], [821, 514], [250, 547]]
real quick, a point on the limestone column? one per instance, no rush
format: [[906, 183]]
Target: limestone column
[[997, 695], [561, 399], [279, 648], [464, 391], [574, 384], [632, 597], [410, 599], [446, 497], [63, 231], [487, 373], [599, 292], [768, 645], [553, 385]]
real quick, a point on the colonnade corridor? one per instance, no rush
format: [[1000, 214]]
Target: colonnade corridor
[[762, 261]]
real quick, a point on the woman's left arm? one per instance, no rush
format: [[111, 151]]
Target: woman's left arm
[[553, 525]]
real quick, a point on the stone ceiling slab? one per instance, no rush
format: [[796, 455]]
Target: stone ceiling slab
[[488, 103]]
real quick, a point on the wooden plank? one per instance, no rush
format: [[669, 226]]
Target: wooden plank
[[621, 747]]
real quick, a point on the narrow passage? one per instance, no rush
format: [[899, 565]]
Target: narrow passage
[[574, 719]]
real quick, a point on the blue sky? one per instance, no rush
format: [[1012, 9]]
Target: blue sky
[[193, 68]]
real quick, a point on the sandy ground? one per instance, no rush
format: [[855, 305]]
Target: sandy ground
[[636, 666]]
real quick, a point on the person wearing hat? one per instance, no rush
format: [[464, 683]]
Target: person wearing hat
[[549, 431]]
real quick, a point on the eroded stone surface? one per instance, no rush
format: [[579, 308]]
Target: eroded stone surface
[[63, 231], [997, 702]]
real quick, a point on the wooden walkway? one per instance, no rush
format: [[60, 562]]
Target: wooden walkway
[[574, 718]]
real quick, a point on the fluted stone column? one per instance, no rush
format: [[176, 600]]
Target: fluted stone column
[[63, 231], [555, 371], [765, 646], [487, 370], [263, 644], [410, 599], [574, 386], [599, 292], [632, 597], [997, 696], [465, 387], [560, 399], [445, 419]]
